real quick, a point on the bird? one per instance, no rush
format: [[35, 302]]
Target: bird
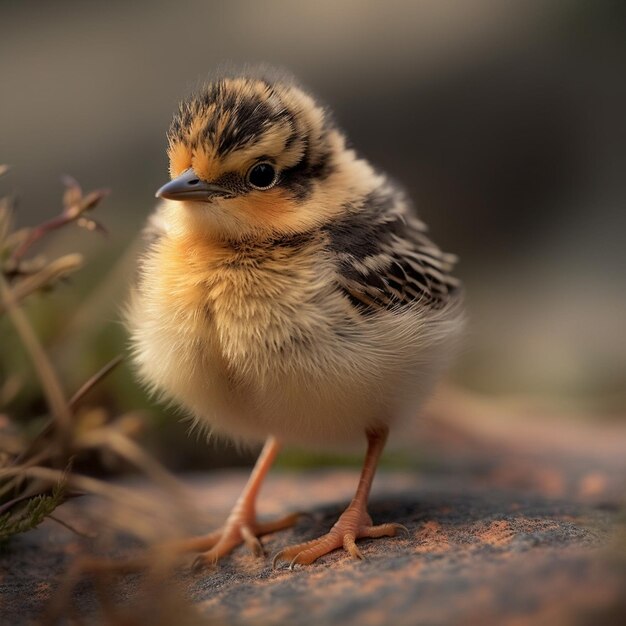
[[289, 293]]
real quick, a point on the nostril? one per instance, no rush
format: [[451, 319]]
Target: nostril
[[194, 181]]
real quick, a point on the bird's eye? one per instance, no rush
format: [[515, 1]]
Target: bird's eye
[[262, 176]]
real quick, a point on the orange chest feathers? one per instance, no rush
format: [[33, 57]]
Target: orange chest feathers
[[246, 298]]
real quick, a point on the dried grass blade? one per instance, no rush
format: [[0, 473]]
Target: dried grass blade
[[50, 383], [94, 380], [54, 270]]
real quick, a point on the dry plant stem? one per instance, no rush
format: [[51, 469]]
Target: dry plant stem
[[74, 400], [55, 269], [37, 233], [53, 391], [94, 380], [68, 216], [29, 491], [128, 450], [11, 503], [160, 565], [69, 527], [115, 493], [9, 444], [10, 485], [138, 509], [61, 604]]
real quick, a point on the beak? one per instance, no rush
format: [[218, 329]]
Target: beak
[[188, 186]]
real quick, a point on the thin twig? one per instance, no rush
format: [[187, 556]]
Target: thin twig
[[94, 380], [50, 383], [85, 388], [31, 494], [73, 212], [42, 456], [37, 233], [107, 438], [121, 495], [54, 270], [69, 527]]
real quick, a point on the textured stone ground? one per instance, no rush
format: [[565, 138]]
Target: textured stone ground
[[507, 526]]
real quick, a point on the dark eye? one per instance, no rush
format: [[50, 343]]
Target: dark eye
[[262, 176]]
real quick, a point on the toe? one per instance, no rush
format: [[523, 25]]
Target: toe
[[264, 528], [202, 562], [252, 541], [198, 544], [343, 534], [212, 556], [349, 544], [383, 530], [307, 553], [286, 555]]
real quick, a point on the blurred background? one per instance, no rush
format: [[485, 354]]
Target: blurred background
[[505, 121]]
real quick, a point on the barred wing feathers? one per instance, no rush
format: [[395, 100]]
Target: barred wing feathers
[[386, 261]]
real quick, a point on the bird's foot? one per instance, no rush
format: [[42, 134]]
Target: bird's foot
[[354, 523], [239, 528]]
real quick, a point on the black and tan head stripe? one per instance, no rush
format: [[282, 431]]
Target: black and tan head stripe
[[232, 115]]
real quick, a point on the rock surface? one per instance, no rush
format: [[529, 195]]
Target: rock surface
[[503, 529]]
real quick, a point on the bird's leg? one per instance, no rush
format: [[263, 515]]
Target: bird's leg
[[241, 525], [354, 522]]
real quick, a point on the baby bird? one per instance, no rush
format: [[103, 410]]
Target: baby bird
[[288, 292]]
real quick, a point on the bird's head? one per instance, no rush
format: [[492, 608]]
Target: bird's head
[[258, 158]]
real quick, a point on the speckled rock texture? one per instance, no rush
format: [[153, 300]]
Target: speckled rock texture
[[517, 525]]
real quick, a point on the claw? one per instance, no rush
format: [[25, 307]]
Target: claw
[[277, 557], [293, 562], [199, 564], [402, 528]]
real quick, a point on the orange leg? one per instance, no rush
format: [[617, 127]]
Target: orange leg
[[241, 525], [354, 522]]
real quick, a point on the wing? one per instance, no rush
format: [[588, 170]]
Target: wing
[[386, 261]]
